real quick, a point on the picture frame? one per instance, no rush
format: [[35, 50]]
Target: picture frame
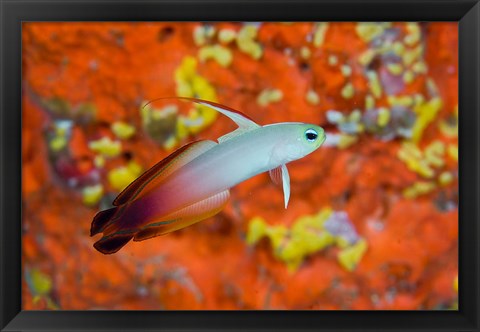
[[14, 12]]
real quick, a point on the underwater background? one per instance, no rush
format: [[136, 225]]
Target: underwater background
[[372, 221]]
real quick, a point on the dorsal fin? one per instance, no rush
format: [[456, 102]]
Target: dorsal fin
[[150, 178], [232, 134], [244, 122]]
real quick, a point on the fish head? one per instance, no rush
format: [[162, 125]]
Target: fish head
[[302, 139]]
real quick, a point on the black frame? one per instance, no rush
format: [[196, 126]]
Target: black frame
[[13, 12]]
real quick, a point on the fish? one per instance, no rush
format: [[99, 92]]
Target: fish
[[193, 183]]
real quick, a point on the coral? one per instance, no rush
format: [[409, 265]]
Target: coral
[[384, 184], [308, 235], [123, 130], [219, 53], [106, 147], [246, 41], [268, 96]]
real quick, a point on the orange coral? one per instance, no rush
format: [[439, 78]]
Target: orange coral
[[368, 85]]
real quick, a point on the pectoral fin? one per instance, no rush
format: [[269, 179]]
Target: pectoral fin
[[280, 176], [161, 170], [185, 216]]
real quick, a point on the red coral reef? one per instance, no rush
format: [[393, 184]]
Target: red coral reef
[[373, 216]]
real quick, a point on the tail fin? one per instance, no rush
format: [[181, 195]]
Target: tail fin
[[110, 244], [101, 220]]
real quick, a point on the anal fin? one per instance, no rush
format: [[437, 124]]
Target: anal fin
[[185, 216]]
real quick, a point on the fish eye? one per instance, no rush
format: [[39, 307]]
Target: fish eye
[[311, 135]]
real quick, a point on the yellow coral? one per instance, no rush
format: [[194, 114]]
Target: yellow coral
[[58, 143], [268, 96], [134, 168], [92, 194], [434, 154], [424, 162], [202, 33], [202, 88], [413, 157], [426, 113], [226, 36], [123, 130], [99, 161], [182, 128], [449, 129], [305, 52], [408, 77], [374, 83], [418, 188], [455, 284], [332, 60], [410, 56], [432, 87], [306, 237], [445, 178], [355, 116], [246, 41], [277, 235], [351, 256], [346, 70], [170, 143], [413, 35], [120, 177], [398, 48], [160, 114], [319, 34], [395, 68], [369, 102], [383, 117], [419, 67], [256, 230], [187, 70], [60, 140], [312, 97], [366, 57], [346, 141], [342, 242], [191, 84], [222, 55], [369, 30], [452, 151], [348, 91], [405, 101], [41, 283], [106, 147], [418, 99]]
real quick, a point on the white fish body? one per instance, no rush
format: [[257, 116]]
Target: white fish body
[[195, 184]]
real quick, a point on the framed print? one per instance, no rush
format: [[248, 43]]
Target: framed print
[[204, 165]]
